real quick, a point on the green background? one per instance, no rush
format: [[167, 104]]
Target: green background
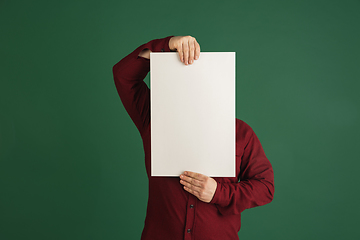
[[72, 161]]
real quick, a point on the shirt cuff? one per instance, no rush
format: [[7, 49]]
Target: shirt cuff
[[218, 198], [156, 45]]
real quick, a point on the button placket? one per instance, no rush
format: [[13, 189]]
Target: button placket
[[190, 217]]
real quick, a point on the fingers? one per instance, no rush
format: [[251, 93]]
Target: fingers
[[191, 181], [191, 51], [201, 186], [186, 52], [190, 186], [198, 176], [188, 49], [180, 51], [197, 50]]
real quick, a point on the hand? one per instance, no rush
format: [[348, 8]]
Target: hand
[[187, 47], [199, 185]]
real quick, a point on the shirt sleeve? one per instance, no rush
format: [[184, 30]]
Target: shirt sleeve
[[129, 74], [256, 186]]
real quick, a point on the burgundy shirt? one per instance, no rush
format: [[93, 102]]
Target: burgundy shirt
[[172, 212]]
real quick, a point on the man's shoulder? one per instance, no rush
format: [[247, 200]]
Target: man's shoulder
[[243, 130], [242, 125]]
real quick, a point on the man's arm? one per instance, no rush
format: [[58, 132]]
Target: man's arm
[[130, 72], [256, 186]]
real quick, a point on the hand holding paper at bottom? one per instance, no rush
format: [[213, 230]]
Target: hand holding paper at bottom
[[201, 186]]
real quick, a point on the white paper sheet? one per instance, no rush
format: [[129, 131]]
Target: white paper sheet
[[193, 114]]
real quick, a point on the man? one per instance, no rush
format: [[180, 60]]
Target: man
[[193, 206]]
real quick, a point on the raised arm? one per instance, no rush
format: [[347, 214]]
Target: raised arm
[[130, 72]]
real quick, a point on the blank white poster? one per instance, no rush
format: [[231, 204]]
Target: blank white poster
[[192, 111]]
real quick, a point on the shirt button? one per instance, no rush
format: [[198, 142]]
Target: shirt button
[[189, 230], [191, 206]]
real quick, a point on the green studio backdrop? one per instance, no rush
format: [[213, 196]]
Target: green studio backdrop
[[72, 161]]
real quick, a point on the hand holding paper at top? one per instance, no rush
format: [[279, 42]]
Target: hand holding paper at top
[[187, 47]]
